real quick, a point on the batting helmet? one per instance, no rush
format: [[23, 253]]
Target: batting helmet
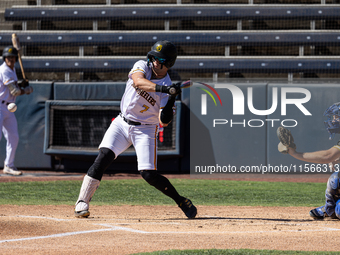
[[165, 52], [332, 123], [10, 51]]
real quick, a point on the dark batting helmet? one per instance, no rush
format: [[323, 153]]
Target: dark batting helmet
[[165, 52], [10, 51]]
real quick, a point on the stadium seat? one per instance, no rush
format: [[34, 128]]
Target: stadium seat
[[172, 12], [185, 64], [147, 38], [188, 61]]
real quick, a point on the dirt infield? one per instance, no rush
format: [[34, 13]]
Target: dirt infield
[[131, 229]]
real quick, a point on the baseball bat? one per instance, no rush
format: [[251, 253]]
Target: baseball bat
[[16, 44], [186, 84], [183, 85]]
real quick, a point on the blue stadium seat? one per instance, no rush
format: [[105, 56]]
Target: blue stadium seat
[[172, 12], [197, 65], [275, 38]]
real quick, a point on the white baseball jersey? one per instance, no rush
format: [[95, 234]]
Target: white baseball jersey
[[139, 105], [8, 122], [7, 75]]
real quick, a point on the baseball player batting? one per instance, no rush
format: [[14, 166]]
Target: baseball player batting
[[9, 90], [330, 157], [147, 102]]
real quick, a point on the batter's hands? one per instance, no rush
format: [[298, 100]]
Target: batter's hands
[[174, 89], [25, 83]]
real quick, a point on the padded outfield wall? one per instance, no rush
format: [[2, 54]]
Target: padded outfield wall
[[239, 133]]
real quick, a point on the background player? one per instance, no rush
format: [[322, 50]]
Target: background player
[[331, 157], [148, 100], [9, 90]]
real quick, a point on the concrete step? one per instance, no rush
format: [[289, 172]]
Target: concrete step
[[6, 25], [9, 3], [80, 2]]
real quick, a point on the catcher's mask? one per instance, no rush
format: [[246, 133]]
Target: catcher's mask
[[10, 52], [163, 51], [332, 123]]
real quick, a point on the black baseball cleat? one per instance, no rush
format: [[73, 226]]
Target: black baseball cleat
[[188, 208]]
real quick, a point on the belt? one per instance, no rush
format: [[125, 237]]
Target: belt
[[130, 122], [4, 102]]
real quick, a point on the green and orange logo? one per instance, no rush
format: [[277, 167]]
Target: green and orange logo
[[204, 97]]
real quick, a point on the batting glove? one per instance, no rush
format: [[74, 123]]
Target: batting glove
[[25, 83], [174, 89]]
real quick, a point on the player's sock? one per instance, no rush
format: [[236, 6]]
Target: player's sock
[[88, 187], [162, 184]]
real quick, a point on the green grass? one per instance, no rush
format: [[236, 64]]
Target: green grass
[[138, 192], [235, 252], [201, 192]]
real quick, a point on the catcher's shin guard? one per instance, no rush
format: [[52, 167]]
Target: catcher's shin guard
[[337, 210], [88, 187]]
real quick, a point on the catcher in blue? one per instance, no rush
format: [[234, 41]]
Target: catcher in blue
[[148, 101], [330, 157]]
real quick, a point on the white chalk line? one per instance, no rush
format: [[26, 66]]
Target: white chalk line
[[125, 229], [55, 235], [117, 228]]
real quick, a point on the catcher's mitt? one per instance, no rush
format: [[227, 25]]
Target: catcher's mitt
[[286, 140]]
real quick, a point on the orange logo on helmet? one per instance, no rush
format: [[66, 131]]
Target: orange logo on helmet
[[10, 50], [159, 48]]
